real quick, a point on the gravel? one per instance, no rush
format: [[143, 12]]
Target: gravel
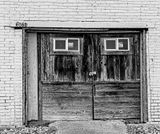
[[143, 128], [29, 130]]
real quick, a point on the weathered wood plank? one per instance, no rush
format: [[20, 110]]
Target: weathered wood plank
[[117, 68], [117, 101], [122, 67], [87, 58], [110, 67], [67, 101], [104, 69], [40, 74], [96, 55], [143, 75], [137, 42], [115, 104], [66, 88], [116, 98], [121, 113], [24, 76], [118, 86]]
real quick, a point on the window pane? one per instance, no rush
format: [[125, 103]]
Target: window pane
[[72, 44], [123, 44], [60, 44], [110, 44]]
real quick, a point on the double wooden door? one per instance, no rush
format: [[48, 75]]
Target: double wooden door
[[92, 83]]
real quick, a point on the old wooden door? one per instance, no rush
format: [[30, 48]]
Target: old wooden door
[[64, 82], [117, 94], [68, 91]]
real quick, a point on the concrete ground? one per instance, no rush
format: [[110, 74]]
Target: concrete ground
[[90, 127]]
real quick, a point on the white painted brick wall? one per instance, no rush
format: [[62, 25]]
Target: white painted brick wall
[[137, 11]]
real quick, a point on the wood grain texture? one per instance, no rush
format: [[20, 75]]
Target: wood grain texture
[[117, 101], [143, 75], [121, 65], [64, 66], [66, 85], [24, 77], [39, 55], [109, 66], [73, 102], [67, 102]]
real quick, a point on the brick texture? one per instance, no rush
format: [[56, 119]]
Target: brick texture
[[123, 11]]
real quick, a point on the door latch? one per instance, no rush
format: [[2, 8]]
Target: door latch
[[91, 74]]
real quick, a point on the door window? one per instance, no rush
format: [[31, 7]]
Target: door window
[[123, 44], [66, 44], [116, 44], [110, 44]]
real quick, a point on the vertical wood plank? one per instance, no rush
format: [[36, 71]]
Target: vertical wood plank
[[104, 69], [50, 62], [143, 61], [24, 77], [135, 56], [78, 67], [40, 75], [58, 67], [114, 67], [122, 67], [117, 67], [87, 58], [129, 60], [97, 56], [133, 61], [42, 50], [110, 67], [127, 68], [129, 64], [137, 40], [47, 58]]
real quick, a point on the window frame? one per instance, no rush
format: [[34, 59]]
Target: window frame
[[78, 45], [128, 44], [105, 43], [66, 45], [117, 46], [54, 45]]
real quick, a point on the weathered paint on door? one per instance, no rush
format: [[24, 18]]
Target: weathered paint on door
[[66, 86]]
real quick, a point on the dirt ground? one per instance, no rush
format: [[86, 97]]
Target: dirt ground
[[90, 127]]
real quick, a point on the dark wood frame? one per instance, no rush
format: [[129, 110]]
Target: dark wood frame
[[143, 77], [39, 82], [24, 77], [143, 64]]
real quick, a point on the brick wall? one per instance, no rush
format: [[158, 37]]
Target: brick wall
[[122, 11]]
